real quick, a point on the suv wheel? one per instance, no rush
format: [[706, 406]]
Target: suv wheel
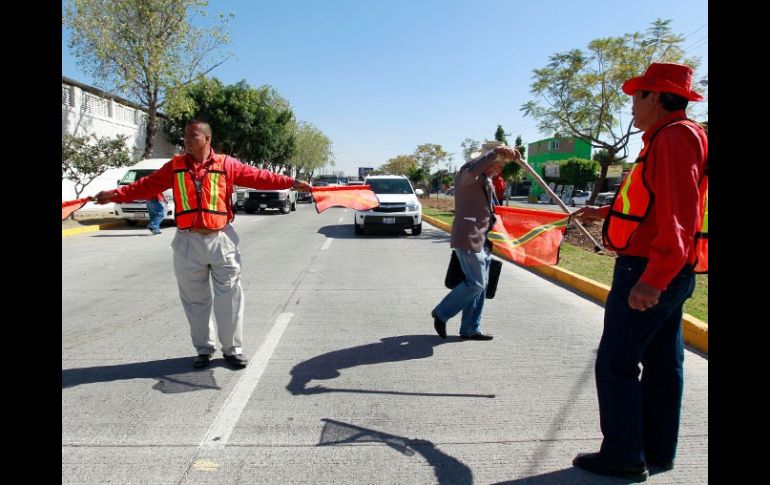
[[286, 208], [358, 229], [416, 230], [293, 206]]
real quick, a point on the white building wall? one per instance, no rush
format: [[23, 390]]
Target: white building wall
[[85, 113]]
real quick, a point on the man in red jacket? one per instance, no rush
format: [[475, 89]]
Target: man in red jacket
[[205, 244], [656, 225]]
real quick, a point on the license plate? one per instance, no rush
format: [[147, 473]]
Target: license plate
[[388, 220], [263, 206], [140, 215]]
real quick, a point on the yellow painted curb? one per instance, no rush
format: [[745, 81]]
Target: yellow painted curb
[[79, 230], [695, 331]]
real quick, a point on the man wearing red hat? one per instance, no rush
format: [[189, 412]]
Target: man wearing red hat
[[658, 225]]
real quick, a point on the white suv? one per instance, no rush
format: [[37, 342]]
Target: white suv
[[398, 209]]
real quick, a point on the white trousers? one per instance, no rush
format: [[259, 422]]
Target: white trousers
[[196, 257]]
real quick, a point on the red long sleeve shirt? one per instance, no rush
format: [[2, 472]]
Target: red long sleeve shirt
[[235, 171], [675, 163]]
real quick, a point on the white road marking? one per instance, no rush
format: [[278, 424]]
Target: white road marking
[[222, 427], [327, 243], [340, 219]]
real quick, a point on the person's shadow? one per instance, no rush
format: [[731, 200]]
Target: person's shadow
[[448, 470], [173, 375], [571, 475], [390, 349]]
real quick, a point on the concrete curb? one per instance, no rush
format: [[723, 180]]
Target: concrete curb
[[79, 230], [694, 330]]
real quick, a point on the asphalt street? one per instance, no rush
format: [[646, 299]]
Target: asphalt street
[[347, 381]]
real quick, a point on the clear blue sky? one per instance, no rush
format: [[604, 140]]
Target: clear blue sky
[[380, 78]]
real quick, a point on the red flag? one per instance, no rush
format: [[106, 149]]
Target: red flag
[[70, 206], [359, 197], [529, 237]]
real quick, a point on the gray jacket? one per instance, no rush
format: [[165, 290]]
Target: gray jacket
[[474, 211]]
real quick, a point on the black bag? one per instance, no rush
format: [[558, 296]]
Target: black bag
[[455, 275]]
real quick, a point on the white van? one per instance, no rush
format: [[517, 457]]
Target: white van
[[136, 210], [399, 207]]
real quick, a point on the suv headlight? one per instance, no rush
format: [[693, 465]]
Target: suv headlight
[[246, 195], [283, 195], [412, 206]]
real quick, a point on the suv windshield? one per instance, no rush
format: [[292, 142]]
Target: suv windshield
[[390, 186], [134, 175]]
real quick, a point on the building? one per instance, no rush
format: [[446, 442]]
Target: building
[[88, 110], [550, 152]]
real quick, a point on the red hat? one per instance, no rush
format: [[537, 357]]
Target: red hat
[[664, 77]]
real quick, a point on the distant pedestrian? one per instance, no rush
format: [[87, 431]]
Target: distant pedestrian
[[658, 224], [156, 211]]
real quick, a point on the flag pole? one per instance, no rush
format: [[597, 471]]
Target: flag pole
[[559, 202]]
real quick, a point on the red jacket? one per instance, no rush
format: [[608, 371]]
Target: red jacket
[[236, 172], [499, 184]]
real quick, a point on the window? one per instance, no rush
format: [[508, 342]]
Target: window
[[553, 145], [95, 105], [66, 95], [124, 113]]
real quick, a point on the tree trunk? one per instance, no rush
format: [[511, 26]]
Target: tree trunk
[[151, 130]]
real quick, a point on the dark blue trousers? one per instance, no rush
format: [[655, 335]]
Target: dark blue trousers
[[640, 417]]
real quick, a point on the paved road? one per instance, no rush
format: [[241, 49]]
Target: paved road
[[347, 381]]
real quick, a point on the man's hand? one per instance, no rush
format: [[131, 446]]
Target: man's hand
[[643, 296], [592, 213], [506, 153], [302, 186], [103, 197]]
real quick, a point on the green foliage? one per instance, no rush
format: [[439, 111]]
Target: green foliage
[[427, 155], [86, 157], [255, 125], [500, 134], [578, 172], [144, 49], [313, 150], [581, 90], [400, 165], [469, 146]]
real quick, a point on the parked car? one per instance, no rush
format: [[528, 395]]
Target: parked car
[[305, 196], [579, 197], [605, 198], [136, 210], [258, 200], [398, 209]]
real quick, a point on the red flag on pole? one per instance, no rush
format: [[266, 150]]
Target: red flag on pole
[[529, 237], [359, 197], [70, 206]]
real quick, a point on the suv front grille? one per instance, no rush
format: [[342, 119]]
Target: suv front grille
[[390, 207], [260, 196]]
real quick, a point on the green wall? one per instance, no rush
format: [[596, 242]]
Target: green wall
[[542, 152]]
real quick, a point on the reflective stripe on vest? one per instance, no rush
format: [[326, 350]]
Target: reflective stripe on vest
[[209, 203], [634, 200]]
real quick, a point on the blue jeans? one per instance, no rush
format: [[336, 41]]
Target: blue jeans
[[155, 210], [469, 295], [640, 417]]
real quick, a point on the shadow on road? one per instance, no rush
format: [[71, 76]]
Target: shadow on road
[[447, 469], [389, 349], [570, 475], [173, 375]]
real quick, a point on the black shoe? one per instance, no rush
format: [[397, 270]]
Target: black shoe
[[595, 463], [660, 466], [438, 324], [201, 361], [236, 360], [477, 336]]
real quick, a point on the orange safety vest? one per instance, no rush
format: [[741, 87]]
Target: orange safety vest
[[207, 199], [634, 199]]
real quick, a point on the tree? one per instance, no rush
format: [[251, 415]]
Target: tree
[[399, 165], [582, 92], [469, 146], [428, 155], [578, 172], [313, 149], [144, 49], [83, 158], [255, 125], [500, 135]]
